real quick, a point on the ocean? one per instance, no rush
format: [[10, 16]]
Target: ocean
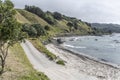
[[105, 48]]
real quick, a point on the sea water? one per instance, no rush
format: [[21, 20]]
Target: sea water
[[105, 48]]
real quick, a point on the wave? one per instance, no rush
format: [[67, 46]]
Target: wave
[[71, 46]]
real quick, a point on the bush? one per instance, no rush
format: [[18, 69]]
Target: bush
[[40, 29], [47, 27], [34, 30], [31, 31], [46, 16], [57, 16], [61, 62], [38, 45], [70, 24], [49, 18], [35, 10]]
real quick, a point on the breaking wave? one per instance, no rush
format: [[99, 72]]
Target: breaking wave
[[71, 46]]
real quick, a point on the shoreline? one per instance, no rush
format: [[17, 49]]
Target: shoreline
[[83, 56], [60, 46], [85, 65]]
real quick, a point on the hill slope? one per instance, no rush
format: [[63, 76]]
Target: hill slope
[[107, 27], [60, 27]]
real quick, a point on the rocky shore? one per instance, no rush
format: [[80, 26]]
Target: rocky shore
[[85, 65]]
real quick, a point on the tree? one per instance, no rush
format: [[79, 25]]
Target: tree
[[70, 25], [49, 19], [46, 16], [75, 25], [47, 27], [30, 30], [57, 16], [10, 30], [33, 30], [35, 10], [40, 29]]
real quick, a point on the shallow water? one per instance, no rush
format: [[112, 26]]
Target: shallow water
[[105, 48]]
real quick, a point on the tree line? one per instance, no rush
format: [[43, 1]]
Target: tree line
[[35, 30], [47, 16]]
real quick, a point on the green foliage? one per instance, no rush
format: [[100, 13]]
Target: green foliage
[[61, 62], [34, 76], [58, 23], [57, 16], [47, 28], [35, 10], [49, 18], [70, 24], [34, 30], [31, 31], [10, 30], [40, 29], [42, 48]]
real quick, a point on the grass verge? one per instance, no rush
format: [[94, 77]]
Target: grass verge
[[28, 72], [38, 45]]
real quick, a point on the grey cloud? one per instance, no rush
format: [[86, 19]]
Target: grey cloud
[[87, 10]]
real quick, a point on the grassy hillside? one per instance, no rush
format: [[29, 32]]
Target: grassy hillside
[[108, 28], [60, 27], [32, 18], [21, 18]]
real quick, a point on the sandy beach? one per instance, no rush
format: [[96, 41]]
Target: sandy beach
[[84, 65], [54, 71]]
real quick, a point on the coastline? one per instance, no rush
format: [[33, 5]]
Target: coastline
[[61, 46], [84, 64], [82, 55]]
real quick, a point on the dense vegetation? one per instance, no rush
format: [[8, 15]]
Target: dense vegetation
[[108, 28], [61, 23], [10, 30], [34, 30]]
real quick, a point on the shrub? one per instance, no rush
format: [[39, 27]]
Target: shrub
[[38, 45], [49, 18], [34, 30], [57, 16], [40, 29], [31, 31], [47, 27], [35, 10], [61, 62]]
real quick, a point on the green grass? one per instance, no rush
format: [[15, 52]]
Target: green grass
[[42, 48], [32, 17], [30, 73], [38, 45], [34, 76], [21, 18], [59, 28]]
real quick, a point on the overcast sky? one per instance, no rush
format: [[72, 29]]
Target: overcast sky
[[102, 11]]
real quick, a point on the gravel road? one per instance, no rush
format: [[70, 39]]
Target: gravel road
[[54, 71]]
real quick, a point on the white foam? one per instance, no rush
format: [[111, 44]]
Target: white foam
[[71, 46]]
